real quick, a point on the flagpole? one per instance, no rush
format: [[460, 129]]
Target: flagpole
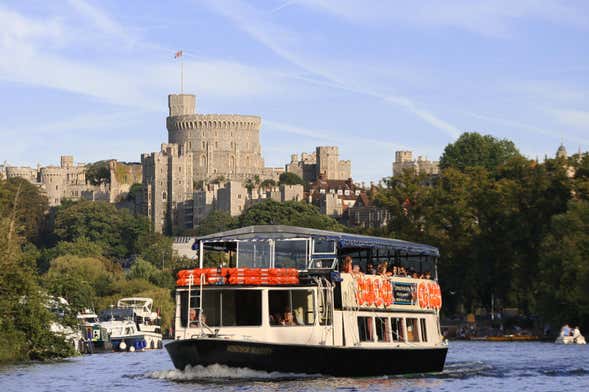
[[181, 74]]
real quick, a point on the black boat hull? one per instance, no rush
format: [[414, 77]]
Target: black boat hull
[[336, 361]]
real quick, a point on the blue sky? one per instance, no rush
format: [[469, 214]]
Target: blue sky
[[91, 78]]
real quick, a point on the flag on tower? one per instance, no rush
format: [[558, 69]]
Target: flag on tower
[[178, 54]]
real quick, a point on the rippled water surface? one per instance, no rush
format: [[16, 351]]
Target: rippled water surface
[[470, 365]]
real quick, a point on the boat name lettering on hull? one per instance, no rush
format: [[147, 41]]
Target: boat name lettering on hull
[[249, 350]]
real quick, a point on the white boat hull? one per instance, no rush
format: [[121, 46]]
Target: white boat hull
[[570, 340]]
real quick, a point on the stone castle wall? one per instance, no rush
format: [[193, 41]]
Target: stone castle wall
[[223, 145]]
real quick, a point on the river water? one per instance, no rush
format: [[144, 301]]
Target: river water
[[477, 366]]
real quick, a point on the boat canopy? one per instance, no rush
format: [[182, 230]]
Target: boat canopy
[[343, 240]]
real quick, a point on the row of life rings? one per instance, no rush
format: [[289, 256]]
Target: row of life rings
[[429, 295], [373, 292]]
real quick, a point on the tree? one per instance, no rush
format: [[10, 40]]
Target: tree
[[215, 222], [294, 213], [98, 173], [473, 149], [563, 284], [25, 318], [29, 206], [267, 183], [80, 279], [116, 231], [288, 178]]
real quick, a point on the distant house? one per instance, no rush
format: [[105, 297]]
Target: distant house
[[364, 214]]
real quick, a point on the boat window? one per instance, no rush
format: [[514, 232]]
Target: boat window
[[397, 329], [366, 329], [227, 308], [211, 306], [412, 333], [383, 329], [290, 254], [254, 254], [423, 330], [323, 246], [291, 307], [322, 263], [241, 308]]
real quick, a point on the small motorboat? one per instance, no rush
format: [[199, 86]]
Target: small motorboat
[[570, 336], [570, 340]]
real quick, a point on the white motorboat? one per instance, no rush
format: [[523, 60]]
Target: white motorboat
[[580, 339], [132, 325]]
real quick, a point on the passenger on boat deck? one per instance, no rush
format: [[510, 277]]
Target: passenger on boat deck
[[565, 330], [394, 270], [275, 319], [288, 319], [356, 270], [347, 267], [193, 317], [382, 269], [370, 269]]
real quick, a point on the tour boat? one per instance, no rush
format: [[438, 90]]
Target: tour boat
[[280, 300], [132, 325]]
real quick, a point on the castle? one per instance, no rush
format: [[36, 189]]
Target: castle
[[68, 180], [404, 162], [222, 145], [324, 162]]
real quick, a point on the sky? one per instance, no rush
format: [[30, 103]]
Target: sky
[[91, 78]]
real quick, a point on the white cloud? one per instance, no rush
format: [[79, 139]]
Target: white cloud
[[289, 46], [490, 18]]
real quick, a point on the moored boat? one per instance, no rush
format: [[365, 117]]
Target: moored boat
[[286, 301], [132, 325]]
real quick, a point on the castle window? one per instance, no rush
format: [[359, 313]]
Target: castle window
[[203, 144], [164, 196], [216, 143]]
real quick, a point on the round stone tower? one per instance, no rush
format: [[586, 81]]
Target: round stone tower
[[226, 145]]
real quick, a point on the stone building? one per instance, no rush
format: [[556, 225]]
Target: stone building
[[66, 181], [28, 173], [404, 162], [333, 197], [323, 162], [233, 197], [365, 214], [222, 145], [167, 180]]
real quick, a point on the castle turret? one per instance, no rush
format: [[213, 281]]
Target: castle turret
[[181, 104]]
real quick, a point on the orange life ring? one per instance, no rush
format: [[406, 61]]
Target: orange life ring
[[386, 292], [423, 295], [377, 288], [435, 295]]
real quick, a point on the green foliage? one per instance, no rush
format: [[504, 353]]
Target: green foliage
[[215, 222], [563, 289], [116, 231], [142, 269], [98, 173], [267, 183], [295, 213], [24, 319], [29, 210], [288, 178], [135, 192], [473, 149]]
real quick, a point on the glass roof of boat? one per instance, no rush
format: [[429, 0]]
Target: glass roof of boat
[[344, 240]]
